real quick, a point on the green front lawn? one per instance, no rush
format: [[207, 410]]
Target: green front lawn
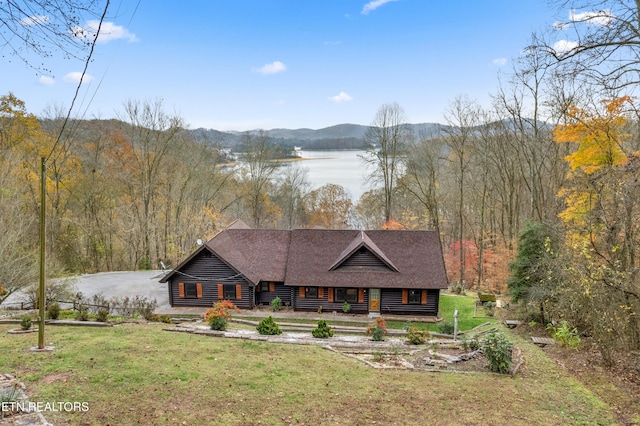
[[133, 374]]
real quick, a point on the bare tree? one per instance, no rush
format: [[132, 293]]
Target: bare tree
[[599, 41], [259, 155], [462, 119], [292, 188], [150, 134], [18, 260], [45, 27], [386, 140], [368, 213], [422, 176]]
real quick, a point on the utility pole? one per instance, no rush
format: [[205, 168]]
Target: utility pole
[[41, 292]]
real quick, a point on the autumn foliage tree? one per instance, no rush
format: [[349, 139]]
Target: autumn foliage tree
[[602, 219], [600, 147], [329, 207]]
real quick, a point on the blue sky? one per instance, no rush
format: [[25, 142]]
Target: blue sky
[[247, 64]]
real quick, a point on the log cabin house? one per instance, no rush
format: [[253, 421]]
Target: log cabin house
[[376, 272]]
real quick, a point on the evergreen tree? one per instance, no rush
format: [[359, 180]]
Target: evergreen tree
[[531, 267]]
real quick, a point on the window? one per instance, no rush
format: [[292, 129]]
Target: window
[[312, 292], [229, 291], [415, 297], [264, 286], [190, 290], [346, 294]]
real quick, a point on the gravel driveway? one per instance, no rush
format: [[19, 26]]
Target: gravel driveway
[[117, 284], [120, 284]]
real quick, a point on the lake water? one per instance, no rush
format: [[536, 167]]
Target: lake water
[[341, 167]]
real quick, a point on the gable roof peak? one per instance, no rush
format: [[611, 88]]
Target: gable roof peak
[[238, 224], [363, 241]]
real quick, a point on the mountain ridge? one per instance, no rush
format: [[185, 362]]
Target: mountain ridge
[[351, 135]]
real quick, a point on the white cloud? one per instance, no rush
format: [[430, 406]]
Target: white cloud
[[34, 20], [373, 5], [500, 62], [74, 77], [564, 46], [272, 68], [46, 80], [108, 31], [341, 97], [332, 43], [600, 17]]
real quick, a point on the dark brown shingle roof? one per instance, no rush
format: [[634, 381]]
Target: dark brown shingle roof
[[311, 257], [258, 254], [415, 254]]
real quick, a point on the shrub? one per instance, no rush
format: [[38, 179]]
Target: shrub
[[53, 311], [56, 289], [446, 328], [144, 264], [98, 302], [457, 288], [82, 314], [564, 334], [102, 315], [218, 323], [219, 315], [26, 322], [346, 307], [145, 307], [268, 327], [122, 306], [161, 318], [131, 307], [472, 344], [276, 304], [498, 351], [489, 308], [417, 336], [322, 331], [377, 329]]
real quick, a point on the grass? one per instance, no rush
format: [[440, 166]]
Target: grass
[[448, 305], [138, 374]]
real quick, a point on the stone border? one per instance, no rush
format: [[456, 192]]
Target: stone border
[[351, 346], [22, 331], [20, 418], [293, 337]]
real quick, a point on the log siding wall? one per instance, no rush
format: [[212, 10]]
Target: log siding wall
[[265, 298], [209, 270], [391, 303], [312, 303]]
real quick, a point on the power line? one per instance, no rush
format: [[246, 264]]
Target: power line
[[84, 72]]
